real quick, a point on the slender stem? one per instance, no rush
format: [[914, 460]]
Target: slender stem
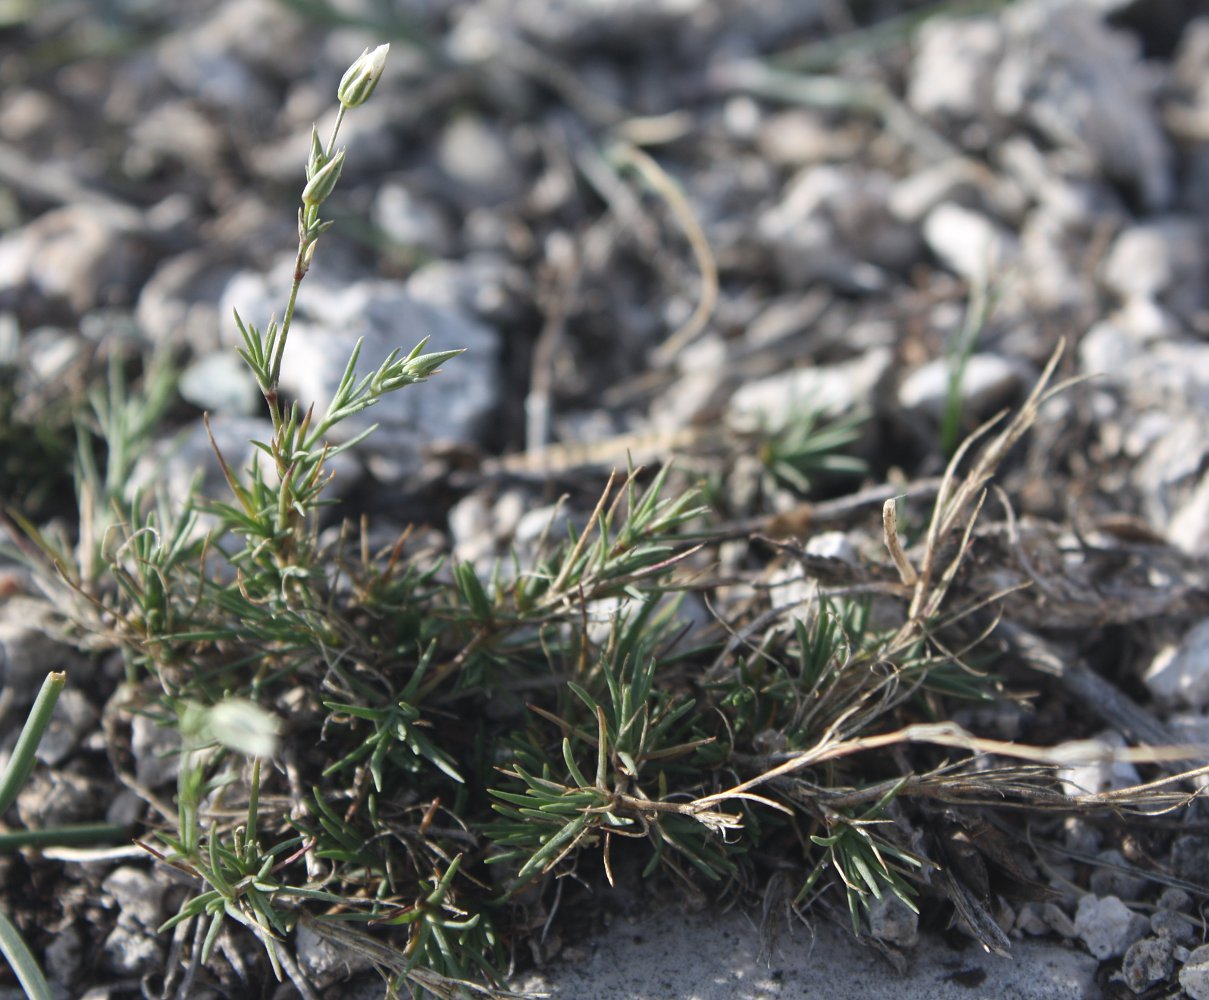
[[308, 220], [68, 835]]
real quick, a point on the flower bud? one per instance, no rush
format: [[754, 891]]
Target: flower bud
[[362, 77], [323, 182], [317, 157]]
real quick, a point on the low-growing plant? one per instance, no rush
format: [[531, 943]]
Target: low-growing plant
[[329, 776]]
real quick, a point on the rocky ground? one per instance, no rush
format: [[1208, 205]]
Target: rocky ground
[[659, 229]]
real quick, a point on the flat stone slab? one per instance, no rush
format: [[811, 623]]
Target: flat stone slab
[[671, 956]]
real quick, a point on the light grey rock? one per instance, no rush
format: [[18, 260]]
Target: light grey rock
[[55, 797], [969, 243], [125, 808], [221, 383], [1147, 962], [1093, 775], [1107, 350], [1172, 925], [1107, 926], [892, 921], [74, 717], [225, 58], [1113, 880], [387, 316], [832, 545], [1058, 921], [174, 465], [83, 254], [1194, 976], [178, 303], [28, 648], [174, 133], [988, 382], [773, 402], [410, 221], [953, 72], [574, 23], [1190, 856], [471, 528], [1179, 675], [1066, 73], [51, 353], [477, 157], [132, 950], [1174, 898], [917, 194], [1029, 920], [798, 137], [1188, 528], [64, 957], [484, 285], [1158, 259], [156, 751], [1051, 276], [139, 896], [835, 225], [323, 961], [662, 955]]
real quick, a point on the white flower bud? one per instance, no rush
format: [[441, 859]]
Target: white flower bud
[[362, 77]]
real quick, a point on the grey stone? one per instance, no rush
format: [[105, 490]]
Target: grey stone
[[771, 403], [969, 244], [1158, 259], [953, 72], [661, 955], [1083, 86], [28, 647], [477, 156], [913, 197], [1095, 775], [57, 797], [835, 225], [1194, 976], [1057, 920], [1174, 898], [64, 957], [139, 897], [988, 382], [174, 466], [1179, 675], [224, 57], [221, 383], [410, 221], [156, 751], [1147, 962], [73, 718], [1190, 856], [132, 950], [387, 316], [83, 254], [892, 921], [323, 961], [1107, 926], [178, 304], [1113, 880], [1173, 925]]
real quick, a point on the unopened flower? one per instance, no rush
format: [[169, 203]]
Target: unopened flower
[[362, 77], [323, 181]]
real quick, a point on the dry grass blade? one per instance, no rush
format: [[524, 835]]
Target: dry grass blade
[[960, 497]]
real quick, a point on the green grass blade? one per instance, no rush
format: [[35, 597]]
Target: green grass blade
[[22, 962]]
